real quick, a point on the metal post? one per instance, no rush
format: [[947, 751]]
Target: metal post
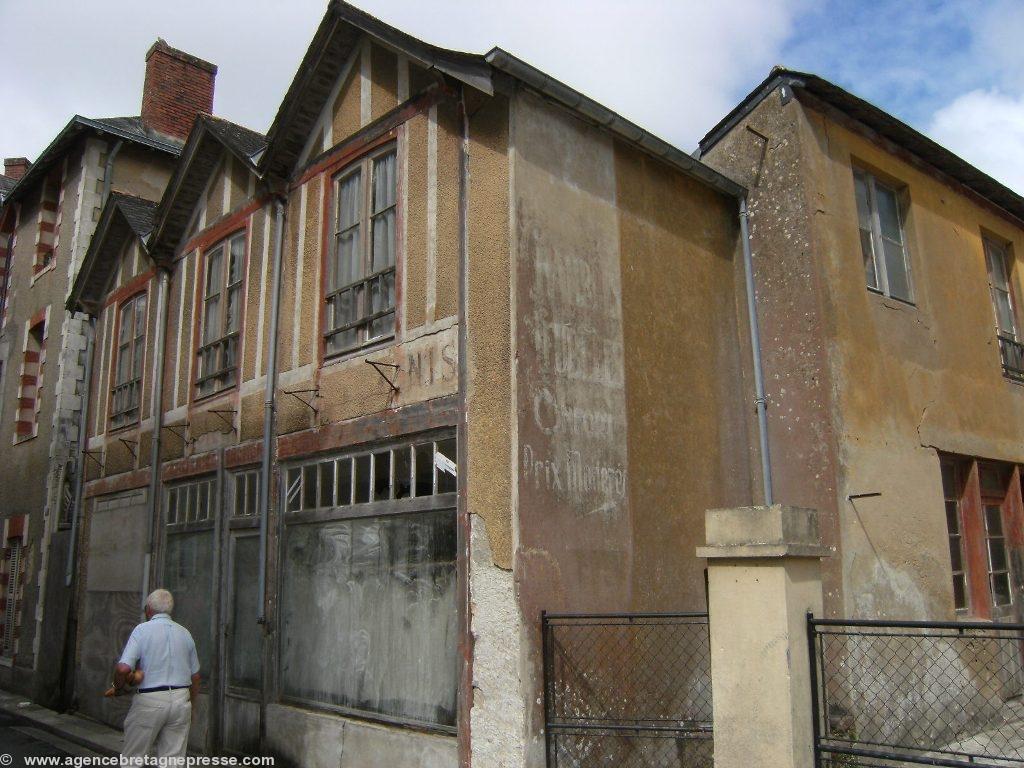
[[815, 711]]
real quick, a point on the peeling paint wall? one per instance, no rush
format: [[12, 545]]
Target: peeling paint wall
[[631, 379], [864, 391]]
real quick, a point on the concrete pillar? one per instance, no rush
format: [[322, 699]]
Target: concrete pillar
[[764, 575]]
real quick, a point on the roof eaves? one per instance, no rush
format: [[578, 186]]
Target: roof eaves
[[924, 150], [468, 68], [611, 121], [775, 78], [74, 127]]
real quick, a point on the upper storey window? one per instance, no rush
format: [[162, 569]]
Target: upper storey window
[[361, 271], [131, 340], [882, 239], [997, 260], [222, 299]]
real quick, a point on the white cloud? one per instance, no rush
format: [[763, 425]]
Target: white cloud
[[986, 128], [673, 66]]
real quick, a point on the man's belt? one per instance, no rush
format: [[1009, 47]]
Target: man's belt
[[156, 688]]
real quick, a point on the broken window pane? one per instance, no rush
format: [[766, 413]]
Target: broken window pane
[[369, 617], [425, 469], [363, 480]]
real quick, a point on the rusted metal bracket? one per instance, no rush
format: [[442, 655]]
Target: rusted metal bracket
[[377, 367], [172, 429], [128, 444], [89, 455], [221, 414], [870, 495], [296, 393]]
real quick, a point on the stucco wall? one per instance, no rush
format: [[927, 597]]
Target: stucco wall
[[864, 391], [631, 396]]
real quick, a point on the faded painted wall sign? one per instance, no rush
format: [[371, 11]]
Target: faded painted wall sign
[[573, 469]]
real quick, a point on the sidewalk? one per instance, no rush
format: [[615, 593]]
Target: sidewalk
[[78, 730]]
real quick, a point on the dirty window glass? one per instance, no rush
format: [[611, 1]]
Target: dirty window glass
[[188, 574], [245, 648], [369, 616], [882, 240]]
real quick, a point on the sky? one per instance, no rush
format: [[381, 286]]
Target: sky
[[953, 70]]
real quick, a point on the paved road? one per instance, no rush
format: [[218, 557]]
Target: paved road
[[20, 740]]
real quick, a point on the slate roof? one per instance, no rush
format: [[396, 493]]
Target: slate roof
[[202, 154], [883, 124], [340, 32], [126, 128], [6, 185], [123, 217]]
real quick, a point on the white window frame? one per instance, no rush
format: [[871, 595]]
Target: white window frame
[[877, 239]]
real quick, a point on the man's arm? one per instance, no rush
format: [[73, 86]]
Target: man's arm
[[193, 689], [125, 666]]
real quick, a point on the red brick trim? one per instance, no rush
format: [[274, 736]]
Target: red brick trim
[[202, 464], [246, 453], [137, 285], [126, 481], [396, 422], [16, 527], [224, 228]]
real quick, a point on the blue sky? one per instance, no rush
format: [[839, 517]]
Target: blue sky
[[954, 70]]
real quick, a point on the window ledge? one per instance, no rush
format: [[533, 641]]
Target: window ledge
[[207, 399], [373, 346], [892, 302], [37, 274]]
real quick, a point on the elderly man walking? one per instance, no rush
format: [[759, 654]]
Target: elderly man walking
[[165, 653]]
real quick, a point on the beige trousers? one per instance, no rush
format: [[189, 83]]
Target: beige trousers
[[159, 719]]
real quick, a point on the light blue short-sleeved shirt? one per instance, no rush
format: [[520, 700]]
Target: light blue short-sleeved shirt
[[164, 650]]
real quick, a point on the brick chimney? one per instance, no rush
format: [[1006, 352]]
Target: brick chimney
[[178, 87], [16, 167]]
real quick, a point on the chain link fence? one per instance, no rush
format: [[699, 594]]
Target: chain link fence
[[911, 693], [627, 690]]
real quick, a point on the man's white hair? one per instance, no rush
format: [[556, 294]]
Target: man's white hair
[[160, 601]]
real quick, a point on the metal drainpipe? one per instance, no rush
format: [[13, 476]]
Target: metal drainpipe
[[269, 394], [157, 409], [463, 526], [755, 344], [83, 446], [108, 171]]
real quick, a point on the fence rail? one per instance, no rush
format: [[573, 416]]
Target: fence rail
[[627, 690], [890, 694]]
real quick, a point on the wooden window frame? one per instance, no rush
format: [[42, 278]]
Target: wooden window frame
[[976, 533], [361, 286], [1011, 350], [217, 359], [128, 415], [877, 239]]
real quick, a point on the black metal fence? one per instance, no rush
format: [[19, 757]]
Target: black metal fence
[[627, 690], [917, 693]]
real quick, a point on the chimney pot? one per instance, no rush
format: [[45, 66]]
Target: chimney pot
[[16, 167], [178, 87]]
